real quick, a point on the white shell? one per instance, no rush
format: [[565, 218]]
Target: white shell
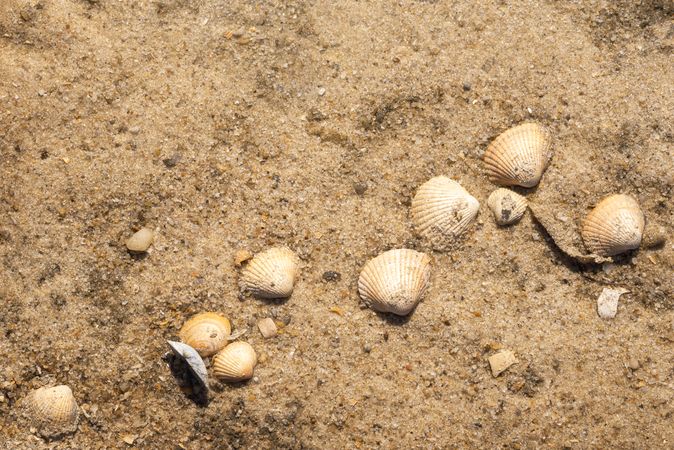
[[206, 332], [442, 210], [614, 226], [395, 281], [53, 410], [271, 274], [141, 240], [236, 362], [193, 360], [508, 206], [519, 156]]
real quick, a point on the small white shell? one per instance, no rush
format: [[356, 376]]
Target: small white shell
[[193, 360], [519, 156], [442, 210], [271, 274], [614, 226], [508, 206], [206, 332], [53, 410], [236, 362], [141, 240], [395, 281]]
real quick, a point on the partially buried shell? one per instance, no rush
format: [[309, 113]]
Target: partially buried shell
[[508, 206], [235, 362], [395, 281], [519, 156], [442, 210], [206, 333], [271, 274], [614, 226], [53, 410], [194, 362]]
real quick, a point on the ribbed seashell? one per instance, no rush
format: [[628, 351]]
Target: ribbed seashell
[[395, 281], [508, 206], [193, 360], [614, 226], [442, 210], [53, 410], [206, 333], [271, 274], [235, 362], [519, 156]]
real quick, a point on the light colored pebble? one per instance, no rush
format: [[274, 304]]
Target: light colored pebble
[[501, 361], [141, 240], [267, 327], [633, 363], [607, 303]]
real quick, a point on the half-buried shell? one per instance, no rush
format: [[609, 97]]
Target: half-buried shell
[[236, 362], [271, 274], [614, 226], [508, 206], [53, 410], [206, 332]]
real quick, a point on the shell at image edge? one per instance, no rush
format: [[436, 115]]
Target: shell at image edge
[[236, 362], [614, 226], [53, 410], [508, 206], [395, 281], [271, 273], [206, 332]]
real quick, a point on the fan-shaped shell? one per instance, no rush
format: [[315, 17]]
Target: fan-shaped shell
[[614, 226], [53, 410], [442, 210], [508, 206], [235, 362], [395, 281], [271, 274], [206, 333], [519, 156]]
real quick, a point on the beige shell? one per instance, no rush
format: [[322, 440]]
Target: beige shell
[[508, 206], [395, 281], [519, 156], [53, 410], [206, 332], [614, 226], [271, 274], [141, 240], [442, 210], [235, 362]]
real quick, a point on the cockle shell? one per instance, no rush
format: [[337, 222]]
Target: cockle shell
[[206, 333], [442, 210], [508, 206], [193, 360], [395, 281], [53, 410], [235, 362], [519, 156], [271, 274], [614, 226]]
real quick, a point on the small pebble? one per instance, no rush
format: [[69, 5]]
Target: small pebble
[[141, 240], [332, 276], [367, 348], [633, 363], [360, 188], [607, 303], [501, 361], [267, 327], [321, 91], [466, 86]]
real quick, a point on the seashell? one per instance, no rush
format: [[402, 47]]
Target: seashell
[[193, 360], [614, 226], [442, 210], [140, 241], [53, 410], [395, 281], [271, 274], [206, 332], [235, 362], [508, 206], [519, 156]]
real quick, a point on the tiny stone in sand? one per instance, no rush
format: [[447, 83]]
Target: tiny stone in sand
[[607, 303], [501, 361], [267, 328], [141, 240]]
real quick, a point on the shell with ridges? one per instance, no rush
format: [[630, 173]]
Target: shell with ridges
[[53, 410], [395, 281], [271, 274], [508, 206], [519, 156], [442, 210], [206, 333], [235, 362], [614, 226]]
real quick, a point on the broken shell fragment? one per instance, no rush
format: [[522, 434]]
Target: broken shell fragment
[[614, 226], [206, 333], [53, 410], [607, 303], [395, 281], [442, 210], [519, 156], [500, 362], [235, 362], [271, 274], [193, 360], [140, 241], [508, 206], [267, 327]]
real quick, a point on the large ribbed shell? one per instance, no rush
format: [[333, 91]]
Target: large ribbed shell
[[519, 156], [442, 210], [508, 206], [271, 274], [614, 226], [206, 332], [236, 362], [395, 281], [53, 410]]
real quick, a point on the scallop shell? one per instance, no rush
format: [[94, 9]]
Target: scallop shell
[[395, 281], [614, 226], [508, 206], [53, 410], [271, 274], [193, 360], [235, 362], [442, 210], [519, 156], [206, 333]]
